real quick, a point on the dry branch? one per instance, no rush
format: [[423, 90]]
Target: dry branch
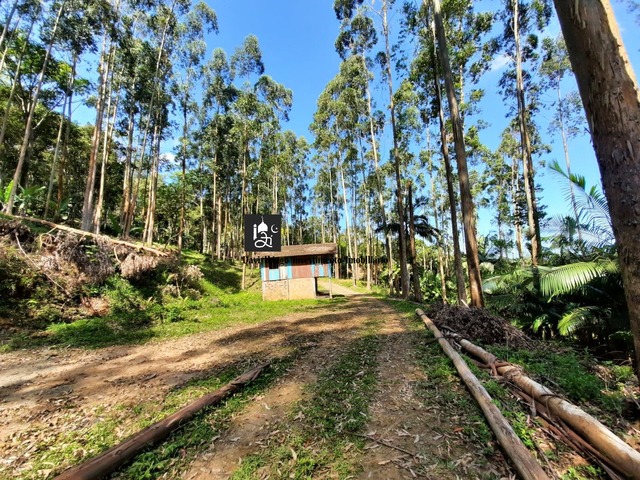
[[116, 456], [619, 454], [76, 231], [526, 465]]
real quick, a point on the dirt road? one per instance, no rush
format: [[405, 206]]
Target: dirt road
[[407, 436]]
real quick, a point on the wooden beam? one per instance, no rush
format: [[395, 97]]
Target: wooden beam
[[617, 452], [525, 464], [109, 461]]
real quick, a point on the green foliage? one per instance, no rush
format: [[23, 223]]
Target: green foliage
[[570, 371], [126, 302]]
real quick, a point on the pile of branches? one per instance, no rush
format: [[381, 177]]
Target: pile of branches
[[70, 258], [478, 324]]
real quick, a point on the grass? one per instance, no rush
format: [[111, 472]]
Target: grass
[[60, 451], [321, 432], [568, 373], [360, 286], [140, 317]]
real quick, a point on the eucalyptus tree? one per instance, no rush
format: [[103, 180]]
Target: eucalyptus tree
[[246, 63], [425, 74], [468, 215], [609, 93], [348, 9], [163, 30], [339, 115], [568, 118], [200, 20], [108, 19], [218, 95], [50, 36], [521, 20], [358, 37], [275, 104], [17, 50]]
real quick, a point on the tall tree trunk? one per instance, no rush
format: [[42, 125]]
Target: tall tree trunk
[[345, 205], [183, 164], [106, 146], [525, 145], [151, 203], [517, 224], [444, 145], [65, 145], [128, 171], [380, 185], [417, 292], [468, 216], [52, 174], [89, 191], [609, 92], [404, 271], [7, 23], [26, 140], [567, 161], [14, 85]]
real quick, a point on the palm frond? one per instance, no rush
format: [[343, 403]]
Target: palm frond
[[579, 318], [516, 280], [569, 278]]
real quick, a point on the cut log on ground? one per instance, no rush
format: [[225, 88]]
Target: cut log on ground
[[524, 462], [619, 454], [112, 459], [76, 231]]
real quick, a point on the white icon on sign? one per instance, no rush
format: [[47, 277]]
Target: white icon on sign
[[261, 237]]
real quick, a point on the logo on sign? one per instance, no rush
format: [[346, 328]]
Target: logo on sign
[[262, 233]]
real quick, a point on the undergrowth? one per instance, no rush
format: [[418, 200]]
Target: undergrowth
[[143, 310]]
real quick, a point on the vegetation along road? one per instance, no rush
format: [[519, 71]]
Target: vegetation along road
[[483, 155]]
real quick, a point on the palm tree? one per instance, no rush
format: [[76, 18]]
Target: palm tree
[[581, 299]]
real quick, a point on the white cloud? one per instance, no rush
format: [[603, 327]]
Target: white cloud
[[499, 63], [167, 157]]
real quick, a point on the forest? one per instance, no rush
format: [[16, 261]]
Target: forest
[[182, 139]]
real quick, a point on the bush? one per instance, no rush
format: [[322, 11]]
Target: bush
[[125, 301]]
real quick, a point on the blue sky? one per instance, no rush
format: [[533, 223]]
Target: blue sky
[[297, 42], [297, 37]]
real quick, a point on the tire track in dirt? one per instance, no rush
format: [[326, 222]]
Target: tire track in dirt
[[400, 418], [251, 430], [74, 389]]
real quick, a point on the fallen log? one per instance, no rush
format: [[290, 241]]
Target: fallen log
[[618, 453], [76, 231], [525, 464], [112, 459]]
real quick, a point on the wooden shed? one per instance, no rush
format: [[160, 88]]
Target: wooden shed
[[293, 272]]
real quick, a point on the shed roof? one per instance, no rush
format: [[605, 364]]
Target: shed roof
[[301, 250]]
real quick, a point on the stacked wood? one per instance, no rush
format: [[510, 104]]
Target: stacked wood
[[618, 454], [112, 459], [525, 464]]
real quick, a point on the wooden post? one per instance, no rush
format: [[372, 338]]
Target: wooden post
[[620, 455], [526, 465], [112, 459], [330, 281]]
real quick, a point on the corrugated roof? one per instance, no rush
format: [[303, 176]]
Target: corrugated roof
[[300, 250]]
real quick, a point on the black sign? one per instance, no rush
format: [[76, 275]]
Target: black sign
[[262, 233]]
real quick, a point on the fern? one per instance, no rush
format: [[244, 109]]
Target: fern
[[579, 318]]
